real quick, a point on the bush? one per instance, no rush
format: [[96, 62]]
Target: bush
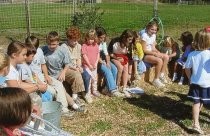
[[87, 17]]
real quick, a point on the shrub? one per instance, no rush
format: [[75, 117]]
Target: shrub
[[87, 16]]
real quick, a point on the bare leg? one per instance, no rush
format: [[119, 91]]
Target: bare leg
[[195, 111], [125, 75], [119, 70], [165, 62], [157, 62]]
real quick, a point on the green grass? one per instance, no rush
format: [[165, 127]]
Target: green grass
[[117, 17]]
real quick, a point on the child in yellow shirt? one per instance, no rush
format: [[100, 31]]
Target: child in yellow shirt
[[138, 54]]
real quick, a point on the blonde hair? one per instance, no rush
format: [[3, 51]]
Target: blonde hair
[[201, 40], [91, 34], [4, 60]]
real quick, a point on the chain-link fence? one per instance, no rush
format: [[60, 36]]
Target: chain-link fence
[[47, 15]]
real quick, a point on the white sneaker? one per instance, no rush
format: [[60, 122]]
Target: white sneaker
[[181, 81], [157, 83], [164, 80], [126, 93], [117, 94], [88, 98], [174, 78]]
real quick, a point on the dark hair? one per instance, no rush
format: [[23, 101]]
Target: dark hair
[[33, 41], [186, 38], [125, 34], [53, 36], [135, 36], [30, 49], [15, 105], [15, 47], [100, 31]]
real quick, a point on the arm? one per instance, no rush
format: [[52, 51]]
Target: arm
[[61, 77], [188, 72], [144, 47], [96, 64], [45, 72], [87, 61], [29, 87]]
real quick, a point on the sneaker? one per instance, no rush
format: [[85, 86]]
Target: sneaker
[[67, 113], [126, 93], [117, 94], [197, 129], [80, 109], [163, 79], [96, 93], [157, 83], [137, 77], [88, 98], [105, 92], [174, 78], [181, 81], [78, 102]]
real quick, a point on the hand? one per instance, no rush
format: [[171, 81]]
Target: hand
[[36, 110], [95, 66], [42, 87], [91, 68], [16, 132], [120, 59], [80, 69], [48, 79], [108, 65], [61, 77]]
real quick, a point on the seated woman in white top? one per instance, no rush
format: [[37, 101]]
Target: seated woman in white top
[[152, 55]]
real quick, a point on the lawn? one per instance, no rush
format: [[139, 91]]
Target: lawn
[[159, 111], [162, 112], [117, 17]]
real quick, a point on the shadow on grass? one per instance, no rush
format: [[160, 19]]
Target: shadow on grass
[[167, 108]]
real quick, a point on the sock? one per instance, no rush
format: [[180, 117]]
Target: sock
[[74, 96], [175, 74], [161, 74], [155, 79], [181, 79], [75, 106]]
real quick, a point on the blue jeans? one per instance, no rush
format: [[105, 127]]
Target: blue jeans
[[86, 78], [110, 76]]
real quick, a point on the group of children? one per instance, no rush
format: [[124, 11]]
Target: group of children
[[61, 72]]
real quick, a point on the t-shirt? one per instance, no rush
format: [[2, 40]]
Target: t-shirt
[[91, 52], [138, 51], [199, 61], [56, 60], [103, 50], [25, 72], [74, 53], [2, 81], [37, 62], [13, 74], [117, 49], [150, 40]]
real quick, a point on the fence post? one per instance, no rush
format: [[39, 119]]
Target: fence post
[[28, 22]]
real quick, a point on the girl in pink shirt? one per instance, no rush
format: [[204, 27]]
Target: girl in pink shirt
[[90, 58]]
